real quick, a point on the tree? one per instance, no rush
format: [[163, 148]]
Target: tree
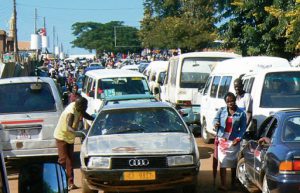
[[178, 23], [249, 27], [101, 37], [290, 20]]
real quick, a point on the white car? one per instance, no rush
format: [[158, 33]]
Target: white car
[[139, 147], [29, 111]]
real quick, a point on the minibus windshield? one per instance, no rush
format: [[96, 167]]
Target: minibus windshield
[[281, 90]]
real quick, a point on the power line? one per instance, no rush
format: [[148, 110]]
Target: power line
[[76, 9]]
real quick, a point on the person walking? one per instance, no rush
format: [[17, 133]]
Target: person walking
[[65, 135], [230, 123]]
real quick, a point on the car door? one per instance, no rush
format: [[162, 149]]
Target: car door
[[262, 148], [252, 149]]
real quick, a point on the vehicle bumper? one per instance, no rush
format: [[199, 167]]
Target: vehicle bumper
[[29, 148], [165, 178], [284, 183]]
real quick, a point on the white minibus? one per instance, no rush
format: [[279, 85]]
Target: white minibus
[[186, 76], [103, 83], [221, 81]]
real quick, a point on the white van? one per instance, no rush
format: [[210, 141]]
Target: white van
[[221, 81], [272, 90], [99, 84], [186, 75], [29, 110]]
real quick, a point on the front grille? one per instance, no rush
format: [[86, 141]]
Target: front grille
[[154, 162]]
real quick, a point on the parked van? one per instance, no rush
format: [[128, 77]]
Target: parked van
[[29, 111], [221, 81], [159, 70], [99, 84], [186, 75]]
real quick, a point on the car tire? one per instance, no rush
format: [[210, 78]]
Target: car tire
[[205, 136], [85, 187], [242, 176], [265, 187]]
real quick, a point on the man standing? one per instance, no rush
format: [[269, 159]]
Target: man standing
[[243, 99], [65, 135]]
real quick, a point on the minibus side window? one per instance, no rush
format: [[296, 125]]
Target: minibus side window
[[224, 86], [214, 86], [174, 66], [205, 91]]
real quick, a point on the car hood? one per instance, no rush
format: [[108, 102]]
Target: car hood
[[146, 144]]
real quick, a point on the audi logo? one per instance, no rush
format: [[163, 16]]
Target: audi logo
[[138, 162]]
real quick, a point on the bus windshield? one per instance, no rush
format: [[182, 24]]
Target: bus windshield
[[195, 71]]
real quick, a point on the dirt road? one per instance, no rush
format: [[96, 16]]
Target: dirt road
[[204, 177]]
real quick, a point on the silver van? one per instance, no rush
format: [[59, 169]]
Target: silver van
[[29, 110]]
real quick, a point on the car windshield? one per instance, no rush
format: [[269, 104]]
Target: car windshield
[[108, 87], [281, 90], [142, 120], [195, 71], [21, 97], [291, 130]]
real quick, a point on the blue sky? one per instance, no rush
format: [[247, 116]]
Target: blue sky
[[63, 13]]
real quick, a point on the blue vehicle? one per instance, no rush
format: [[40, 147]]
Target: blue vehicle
[[93, 66], [270, 161]]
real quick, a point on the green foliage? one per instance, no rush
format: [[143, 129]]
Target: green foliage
[[101, 37], [252, 29], [178, 23]]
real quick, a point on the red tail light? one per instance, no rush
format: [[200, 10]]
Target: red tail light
[[289, 166]]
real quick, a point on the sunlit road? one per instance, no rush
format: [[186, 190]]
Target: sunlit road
[[204, 177]]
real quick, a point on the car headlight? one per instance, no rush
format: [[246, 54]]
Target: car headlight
[[99, 162], [180, 160]]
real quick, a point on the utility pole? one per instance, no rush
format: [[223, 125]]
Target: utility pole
[[16, 54], [53, 40]]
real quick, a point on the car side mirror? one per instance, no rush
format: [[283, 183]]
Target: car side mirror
[[43, 177]]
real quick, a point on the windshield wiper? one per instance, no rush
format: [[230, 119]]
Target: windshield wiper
[[129, 130]]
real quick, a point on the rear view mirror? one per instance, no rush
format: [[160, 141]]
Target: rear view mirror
[[35, 86], [43, 177]]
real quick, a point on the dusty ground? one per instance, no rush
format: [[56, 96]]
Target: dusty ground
[[204, 177]]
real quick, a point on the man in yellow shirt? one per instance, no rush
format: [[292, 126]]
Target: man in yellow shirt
[[65, 135]]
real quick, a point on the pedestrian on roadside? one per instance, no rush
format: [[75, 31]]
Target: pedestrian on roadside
[[230, 123], [74, 94], [65, 135], [244, 102], [243, 99]]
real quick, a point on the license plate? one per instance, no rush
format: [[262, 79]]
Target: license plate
[[140, 175]]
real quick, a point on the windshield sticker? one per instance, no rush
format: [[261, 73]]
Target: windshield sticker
[[136, 78], [109, 92]]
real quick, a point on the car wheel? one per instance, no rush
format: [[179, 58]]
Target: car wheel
[[205, 136], [85, 187], [265, 187], [242, 176]]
